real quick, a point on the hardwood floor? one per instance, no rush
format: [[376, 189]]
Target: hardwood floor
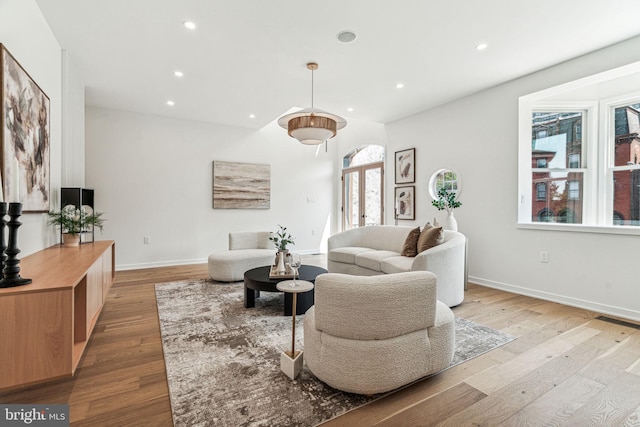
[[566, 368]]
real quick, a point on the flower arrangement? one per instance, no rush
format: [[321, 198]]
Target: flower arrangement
[[282, 239], [73, 220], [446, 200]]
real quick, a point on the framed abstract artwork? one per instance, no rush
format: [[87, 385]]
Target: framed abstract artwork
[[24, 134], [405, 202], [405, 165], [241, 185]]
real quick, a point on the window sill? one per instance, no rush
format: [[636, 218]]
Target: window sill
[[580, 228]]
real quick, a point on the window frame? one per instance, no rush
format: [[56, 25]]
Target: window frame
[[608, 107], [597, 151], [588, 161]]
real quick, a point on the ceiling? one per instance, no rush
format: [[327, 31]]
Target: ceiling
[[249, 57]]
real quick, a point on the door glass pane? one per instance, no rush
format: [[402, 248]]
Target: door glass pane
[[363, 156], [351, 200], [373, 197], [557, 197]]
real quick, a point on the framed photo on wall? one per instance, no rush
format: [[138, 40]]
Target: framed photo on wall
[[405, 165], [24, 135], [405, 202]]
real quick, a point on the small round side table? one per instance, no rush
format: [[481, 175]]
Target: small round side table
[[291, 362]]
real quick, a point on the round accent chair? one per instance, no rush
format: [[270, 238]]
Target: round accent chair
[[372, 334]]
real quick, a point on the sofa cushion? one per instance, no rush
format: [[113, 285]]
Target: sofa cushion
[[429, 237], [373, 259], [346, 254], [410, 248], [396, 264]]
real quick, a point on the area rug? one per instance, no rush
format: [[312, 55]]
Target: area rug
[[223, 360]]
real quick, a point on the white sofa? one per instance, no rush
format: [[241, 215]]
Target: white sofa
[[247, 250], [374, 250], [370, 335]]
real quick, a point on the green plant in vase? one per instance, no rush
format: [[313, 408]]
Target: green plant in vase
[[73, 221], [446, 200], [281, 239]]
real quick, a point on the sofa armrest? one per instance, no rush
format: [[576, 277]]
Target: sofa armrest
[[342, 239], [447, 262]]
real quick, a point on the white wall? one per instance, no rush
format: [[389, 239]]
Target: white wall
[[72, 124], [26, 34], [152, 177], [478, 137]]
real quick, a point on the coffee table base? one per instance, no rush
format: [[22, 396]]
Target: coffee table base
[[257, 280], [305, 300]]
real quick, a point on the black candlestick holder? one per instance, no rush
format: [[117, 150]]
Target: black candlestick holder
[[11, 265], [3, 239]]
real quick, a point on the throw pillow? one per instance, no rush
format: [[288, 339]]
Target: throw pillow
[[430, 237], [410, 247]]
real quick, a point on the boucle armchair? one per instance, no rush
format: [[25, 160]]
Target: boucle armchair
[[372, 334], [247, 250]]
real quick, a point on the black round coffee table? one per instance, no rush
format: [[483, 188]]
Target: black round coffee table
[[257, 279]]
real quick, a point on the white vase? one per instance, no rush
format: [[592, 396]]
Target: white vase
[[450, 222], [280, 267]]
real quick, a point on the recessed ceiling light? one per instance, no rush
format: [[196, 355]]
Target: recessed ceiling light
[[178, 73], [252, 116], [350, 109], [346, 36], [399, 85], [190, 25], [482, 46], [171, 103]]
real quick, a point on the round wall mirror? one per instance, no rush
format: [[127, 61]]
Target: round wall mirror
[[444, 178]]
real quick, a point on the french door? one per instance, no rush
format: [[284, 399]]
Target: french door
[[362, 195]]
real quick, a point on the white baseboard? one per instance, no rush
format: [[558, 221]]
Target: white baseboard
[[562, 299], [123, 267]]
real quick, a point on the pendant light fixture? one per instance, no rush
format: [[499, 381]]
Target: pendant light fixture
[[312, 126]]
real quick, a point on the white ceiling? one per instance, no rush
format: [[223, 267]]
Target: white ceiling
[[248, 56]]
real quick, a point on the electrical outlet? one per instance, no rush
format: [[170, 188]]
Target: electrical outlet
[[544, 256], [147, 240]]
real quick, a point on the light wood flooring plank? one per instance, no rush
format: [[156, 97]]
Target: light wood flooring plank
[[556, 406], [612, 406], [440, 407], [502, 404]]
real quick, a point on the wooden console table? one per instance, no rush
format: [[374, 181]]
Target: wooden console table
[[45, 326]]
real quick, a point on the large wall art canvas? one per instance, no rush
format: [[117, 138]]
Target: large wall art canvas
[[24, 133], [241, 185]]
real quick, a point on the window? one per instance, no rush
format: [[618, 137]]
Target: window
[[556, 157], [574, 160], [625, 170], [574, 190], [541, 191], [579, 155]]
